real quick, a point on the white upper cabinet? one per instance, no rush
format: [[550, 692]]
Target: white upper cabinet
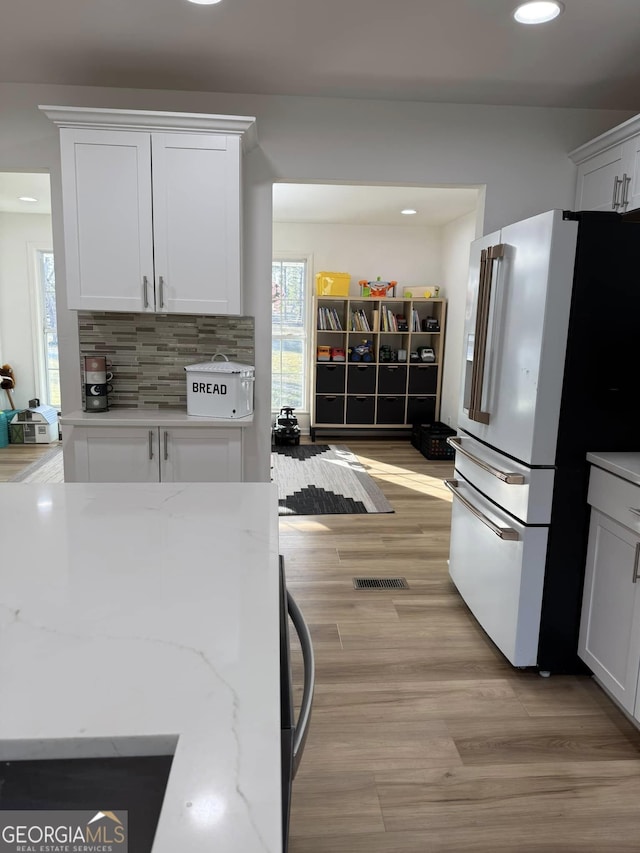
[[152, 210], [609, 170]]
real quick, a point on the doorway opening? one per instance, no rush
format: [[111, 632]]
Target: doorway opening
[[369, 232], [28, 320]]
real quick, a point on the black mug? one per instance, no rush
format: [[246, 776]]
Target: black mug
[[98, 389]]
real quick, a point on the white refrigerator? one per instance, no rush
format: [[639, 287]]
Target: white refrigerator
[[546, 378]]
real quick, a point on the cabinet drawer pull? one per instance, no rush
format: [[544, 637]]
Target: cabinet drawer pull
[[635, 563], [150, 444], [161, 291], [166, 445], [634, 510], [145, 293]]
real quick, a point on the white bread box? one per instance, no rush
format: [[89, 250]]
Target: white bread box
[[220, 389]]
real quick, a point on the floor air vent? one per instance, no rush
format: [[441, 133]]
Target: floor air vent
[[380, 583]]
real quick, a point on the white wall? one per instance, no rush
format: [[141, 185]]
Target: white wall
[[407, 254], [456, 238], [19, 233], [519, 153]]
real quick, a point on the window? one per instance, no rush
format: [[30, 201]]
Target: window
[[289, 334], [47, 279]]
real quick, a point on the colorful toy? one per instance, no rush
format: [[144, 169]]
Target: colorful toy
[[362, 352]]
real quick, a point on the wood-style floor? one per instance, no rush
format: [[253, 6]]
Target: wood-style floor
[[15, 458], [423, 738]]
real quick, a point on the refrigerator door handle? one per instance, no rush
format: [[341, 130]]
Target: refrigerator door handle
[[507, 533], [487, 257], [505, 476]]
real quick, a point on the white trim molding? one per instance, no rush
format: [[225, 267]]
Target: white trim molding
[[615, 136], [150, 120]]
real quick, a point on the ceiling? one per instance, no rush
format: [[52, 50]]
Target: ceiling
[[370, 205], [459, 51], [16, 184]]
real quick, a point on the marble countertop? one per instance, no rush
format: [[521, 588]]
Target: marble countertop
[[625, 465], [149, 417], [141, 620]]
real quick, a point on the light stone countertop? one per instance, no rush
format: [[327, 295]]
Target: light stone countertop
[[625, 465], [149, 417], [144, 619]]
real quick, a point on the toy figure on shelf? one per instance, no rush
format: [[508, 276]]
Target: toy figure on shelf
[[361, 352], [377, 288]]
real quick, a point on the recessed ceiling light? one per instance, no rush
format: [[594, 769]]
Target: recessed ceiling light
[[538, 11], [408, 211], [27, 198], [205, 2]]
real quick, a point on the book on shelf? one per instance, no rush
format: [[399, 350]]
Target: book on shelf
[[329, 320]]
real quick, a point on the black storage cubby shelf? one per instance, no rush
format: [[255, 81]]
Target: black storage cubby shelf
[[376, 389]]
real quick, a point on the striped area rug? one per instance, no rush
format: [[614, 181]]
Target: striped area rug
[[324, 479]]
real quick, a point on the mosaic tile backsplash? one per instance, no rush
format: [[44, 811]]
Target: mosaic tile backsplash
[[148, 352]]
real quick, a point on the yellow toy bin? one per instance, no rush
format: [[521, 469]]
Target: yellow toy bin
[[332, 283]]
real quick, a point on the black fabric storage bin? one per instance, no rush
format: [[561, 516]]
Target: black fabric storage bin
[[361, 379], [423, 378], [391, 410], [330, 409], [421, 410], [360, 410], [330, 378], [392, 379]]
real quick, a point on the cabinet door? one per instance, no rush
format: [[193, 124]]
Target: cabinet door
[[599, 181], [201, 455], [196, 222], [631, 199], [106, 186], [114, 455], [610, 625]]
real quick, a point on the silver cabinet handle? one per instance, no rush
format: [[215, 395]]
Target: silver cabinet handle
[[150, 444], [166, 445], [161, 291], [626, 180], [506, 476], [635, 563], [302, 723], [617, 183], [503, 532], [145, 294], [634, 510]]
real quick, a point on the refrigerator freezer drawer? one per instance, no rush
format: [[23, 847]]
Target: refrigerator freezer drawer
[[500, 579], [522, 491]]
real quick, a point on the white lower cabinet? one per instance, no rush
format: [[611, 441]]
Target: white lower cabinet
[[610, 625], [148, 454]]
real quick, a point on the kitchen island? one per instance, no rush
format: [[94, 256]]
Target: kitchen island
[[143, 619]]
